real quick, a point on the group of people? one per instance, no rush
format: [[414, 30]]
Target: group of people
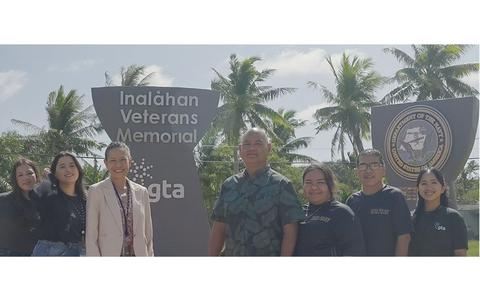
[[58, 217], [258, 212]]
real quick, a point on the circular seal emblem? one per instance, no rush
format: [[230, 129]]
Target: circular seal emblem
[[418, 137]]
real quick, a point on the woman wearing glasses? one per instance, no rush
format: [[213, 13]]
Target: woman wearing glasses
[[438, 229], [330, 228], [119, 222]]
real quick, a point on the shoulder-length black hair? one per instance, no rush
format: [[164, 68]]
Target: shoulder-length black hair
[[13, 174], [79, 186], [420, 208]]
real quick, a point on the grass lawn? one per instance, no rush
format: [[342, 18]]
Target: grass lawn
[[472, 248]]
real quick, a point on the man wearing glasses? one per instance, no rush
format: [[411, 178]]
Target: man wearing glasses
[[258, 210], [381, 209]]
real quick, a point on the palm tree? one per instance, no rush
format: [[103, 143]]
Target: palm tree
[[93, 173], [214, 160], [430, 74], [243, 100], [288, 143], [133, 75], [355, 85], [70, 127]]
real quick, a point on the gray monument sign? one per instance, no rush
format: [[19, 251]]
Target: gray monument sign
[[413, 136], [162, 126]]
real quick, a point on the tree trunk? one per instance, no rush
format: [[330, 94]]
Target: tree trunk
[[358, 142], [235, 141], [236, 161]]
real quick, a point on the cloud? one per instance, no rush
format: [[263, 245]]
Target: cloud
[[293, 62], [11, 82], [311, 62], [74, 66], [307, 114], [159, 78]]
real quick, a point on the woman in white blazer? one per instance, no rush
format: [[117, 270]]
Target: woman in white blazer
[[119, 221]]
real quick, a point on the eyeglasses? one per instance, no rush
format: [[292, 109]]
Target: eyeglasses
[[372, 166]]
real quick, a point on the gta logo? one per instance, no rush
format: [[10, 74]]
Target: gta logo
[[140, 172]]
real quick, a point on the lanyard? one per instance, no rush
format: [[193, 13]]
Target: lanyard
[[125, 213]]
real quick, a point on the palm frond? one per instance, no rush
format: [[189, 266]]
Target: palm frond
[[275, 93], [400, 55], [27, 126], [399, 94]]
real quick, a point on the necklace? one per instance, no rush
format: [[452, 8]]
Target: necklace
[[308, 217], [125, 210]]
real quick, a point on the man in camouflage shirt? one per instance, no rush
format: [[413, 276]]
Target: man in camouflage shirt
[[258, 210]]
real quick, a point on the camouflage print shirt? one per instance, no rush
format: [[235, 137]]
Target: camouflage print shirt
[[255, 209]]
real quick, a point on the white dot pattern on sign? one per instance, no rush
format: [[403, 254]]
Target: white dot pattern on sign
[[141, 171]]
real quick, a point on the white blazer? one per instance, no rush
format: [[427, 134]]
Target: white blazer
[[104, 229]]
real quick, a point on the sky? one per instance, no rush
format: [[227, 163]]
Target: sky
[[28, 73], [31, 72]]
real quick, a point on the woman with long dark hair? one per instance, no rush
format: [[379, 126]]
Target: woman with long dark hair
[[19, 216], [63, 210], [438, 229], [330, 228]]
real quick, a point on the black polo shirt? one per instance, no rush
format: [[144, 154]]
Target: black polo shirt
[[383, 216], [439, 233], [329, 229]]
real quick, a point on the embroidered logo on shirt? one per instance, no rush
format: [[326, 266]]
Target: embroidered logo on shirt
[[320, 218], [438, 226], [379, 211]]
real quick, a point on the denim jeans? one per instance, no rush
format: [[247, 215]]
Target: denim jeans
[[8, 252], [49, 248]]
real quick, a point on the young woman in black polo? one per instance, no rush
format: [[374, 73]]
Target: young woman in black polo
[[330, 228], [438, 229]]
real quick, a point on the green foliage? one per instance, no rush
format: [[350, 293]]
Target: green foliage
[[283, 166], [215, 164], [71, 128], [243, 106], [4, 185], [344, 191], [93, 173], [133, 75], [355, 84], [346, 178], [472, 248], [243, 101], [286, 144], [467, 184], [14, 146], [430, 74]]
